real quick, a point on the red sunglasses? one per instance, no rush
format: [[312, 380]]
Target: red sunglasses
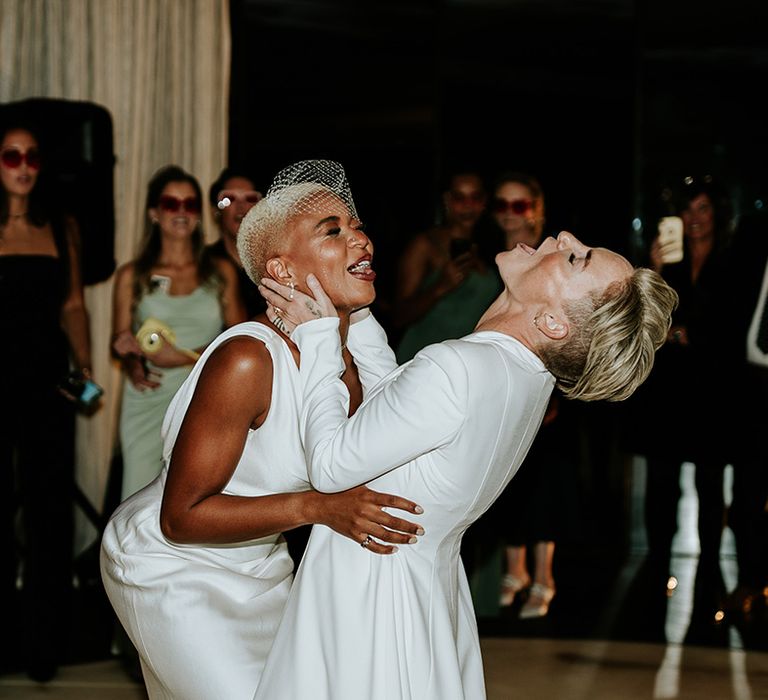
[[13, 158], [516, 206], [173, 204]]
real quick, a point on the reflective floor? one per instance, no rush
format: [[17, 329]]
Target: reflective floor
[[618, 628]]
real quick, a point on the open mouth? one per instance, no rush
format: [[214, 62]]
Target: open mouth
[[362, 270], [526, 248]]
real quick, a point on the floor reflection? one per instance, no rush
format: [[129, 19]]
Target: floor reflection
[[679, 606]]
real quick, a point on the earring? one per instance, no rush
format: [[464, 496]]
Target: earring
[[536, 321], [292, 285]]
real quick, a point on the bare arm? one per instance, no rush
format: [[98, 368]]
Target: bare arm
[[74, 315], [124, 344], [232, 396]]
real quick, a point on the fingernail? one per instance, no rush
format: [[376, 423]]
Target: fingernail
[[395, 549], [413, 540], [420, 531], [418, 509]]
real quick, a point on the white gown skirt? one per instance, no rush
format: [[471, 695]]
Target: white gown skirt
[[201, 618]]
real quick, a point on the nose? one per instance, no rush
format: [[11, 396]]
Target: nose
[[566, 240], [358, 239]]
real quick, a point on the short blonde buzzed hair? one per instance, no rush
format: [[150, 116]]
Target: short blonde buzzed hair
[[302, 188], [263, 228]]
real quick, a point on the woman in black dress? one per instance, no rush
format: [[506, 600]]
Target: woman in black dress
[[45, 324]]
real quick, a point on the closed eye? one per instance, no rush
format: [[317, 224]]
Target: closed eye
[[587, 258]]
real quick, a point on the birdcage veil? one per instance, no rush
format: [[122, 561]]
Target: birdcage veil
[[317, 179], [302, 188]]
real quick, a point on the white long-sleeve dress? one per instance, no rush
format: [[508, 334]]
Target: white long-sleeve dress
[[203, 617], [447, 430]]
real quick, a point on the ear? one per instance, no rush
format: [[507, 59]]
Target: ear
[[553, 327], [153, 217], [277, 269]]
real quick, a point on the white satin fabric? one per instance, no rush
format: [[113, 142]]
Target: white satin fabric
[[447, 430], [203, 617]]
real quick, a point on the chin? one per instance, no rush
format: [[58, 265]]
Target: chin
[[367, 302], [362, 300]]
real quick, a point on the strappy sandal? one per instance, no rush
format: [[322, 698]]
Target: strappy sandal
[[511, 585]]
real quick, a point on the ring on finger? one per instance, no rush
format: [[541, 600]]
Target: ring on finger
[[368, 540]]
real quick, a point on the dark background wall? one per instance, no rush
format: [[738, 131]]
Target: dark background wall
[[605, 100]]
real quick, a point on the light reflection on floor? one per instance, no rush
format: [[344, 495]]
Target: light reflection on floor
[[685, 552]]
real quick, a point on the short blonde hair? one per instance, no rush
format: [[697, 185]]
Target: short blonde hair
[[613, 340], [263, 228]]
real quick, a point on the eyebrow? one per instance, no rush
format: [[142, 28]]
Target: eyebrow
[[328, 219]]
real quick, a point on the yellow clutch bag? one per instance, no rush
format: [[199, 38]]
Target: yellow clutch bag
[[152, 334]]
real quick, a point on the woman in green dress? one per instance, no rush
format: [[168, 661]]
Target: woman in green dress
[[169, 303]]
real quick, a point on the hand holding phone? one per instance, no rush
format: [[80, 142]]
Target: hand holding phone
[[81, 389], [671, 239]]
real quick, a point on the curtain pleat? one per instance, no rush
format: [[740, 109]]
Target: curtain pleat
[[161, 68]]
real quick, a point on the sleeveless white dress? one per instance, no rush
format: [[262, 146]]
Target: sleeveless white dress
[[447, 430], [203, 617]]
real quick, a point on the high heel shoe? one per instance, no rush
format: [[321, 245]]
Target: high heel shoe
[[511, 585], [539, 598]]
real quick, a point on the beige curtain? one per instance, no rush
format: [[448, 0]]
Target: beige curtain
[[161, 68]]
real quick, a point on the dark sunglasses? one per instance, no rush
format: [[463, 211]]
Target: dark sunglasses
[[516, 206], [172, 204], [13, 158], [226, 197]]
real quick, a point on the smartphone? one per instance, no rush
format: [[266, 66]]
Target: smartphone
[[161, 283], [671, 239], [459, 246], [85, 392]]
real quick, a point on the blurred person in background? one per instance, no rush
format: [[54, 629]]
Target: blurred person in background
[[231, 196], [530, 510], [678, 416], [443, 284], [748, 513], [176, 281], [46, 335]]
